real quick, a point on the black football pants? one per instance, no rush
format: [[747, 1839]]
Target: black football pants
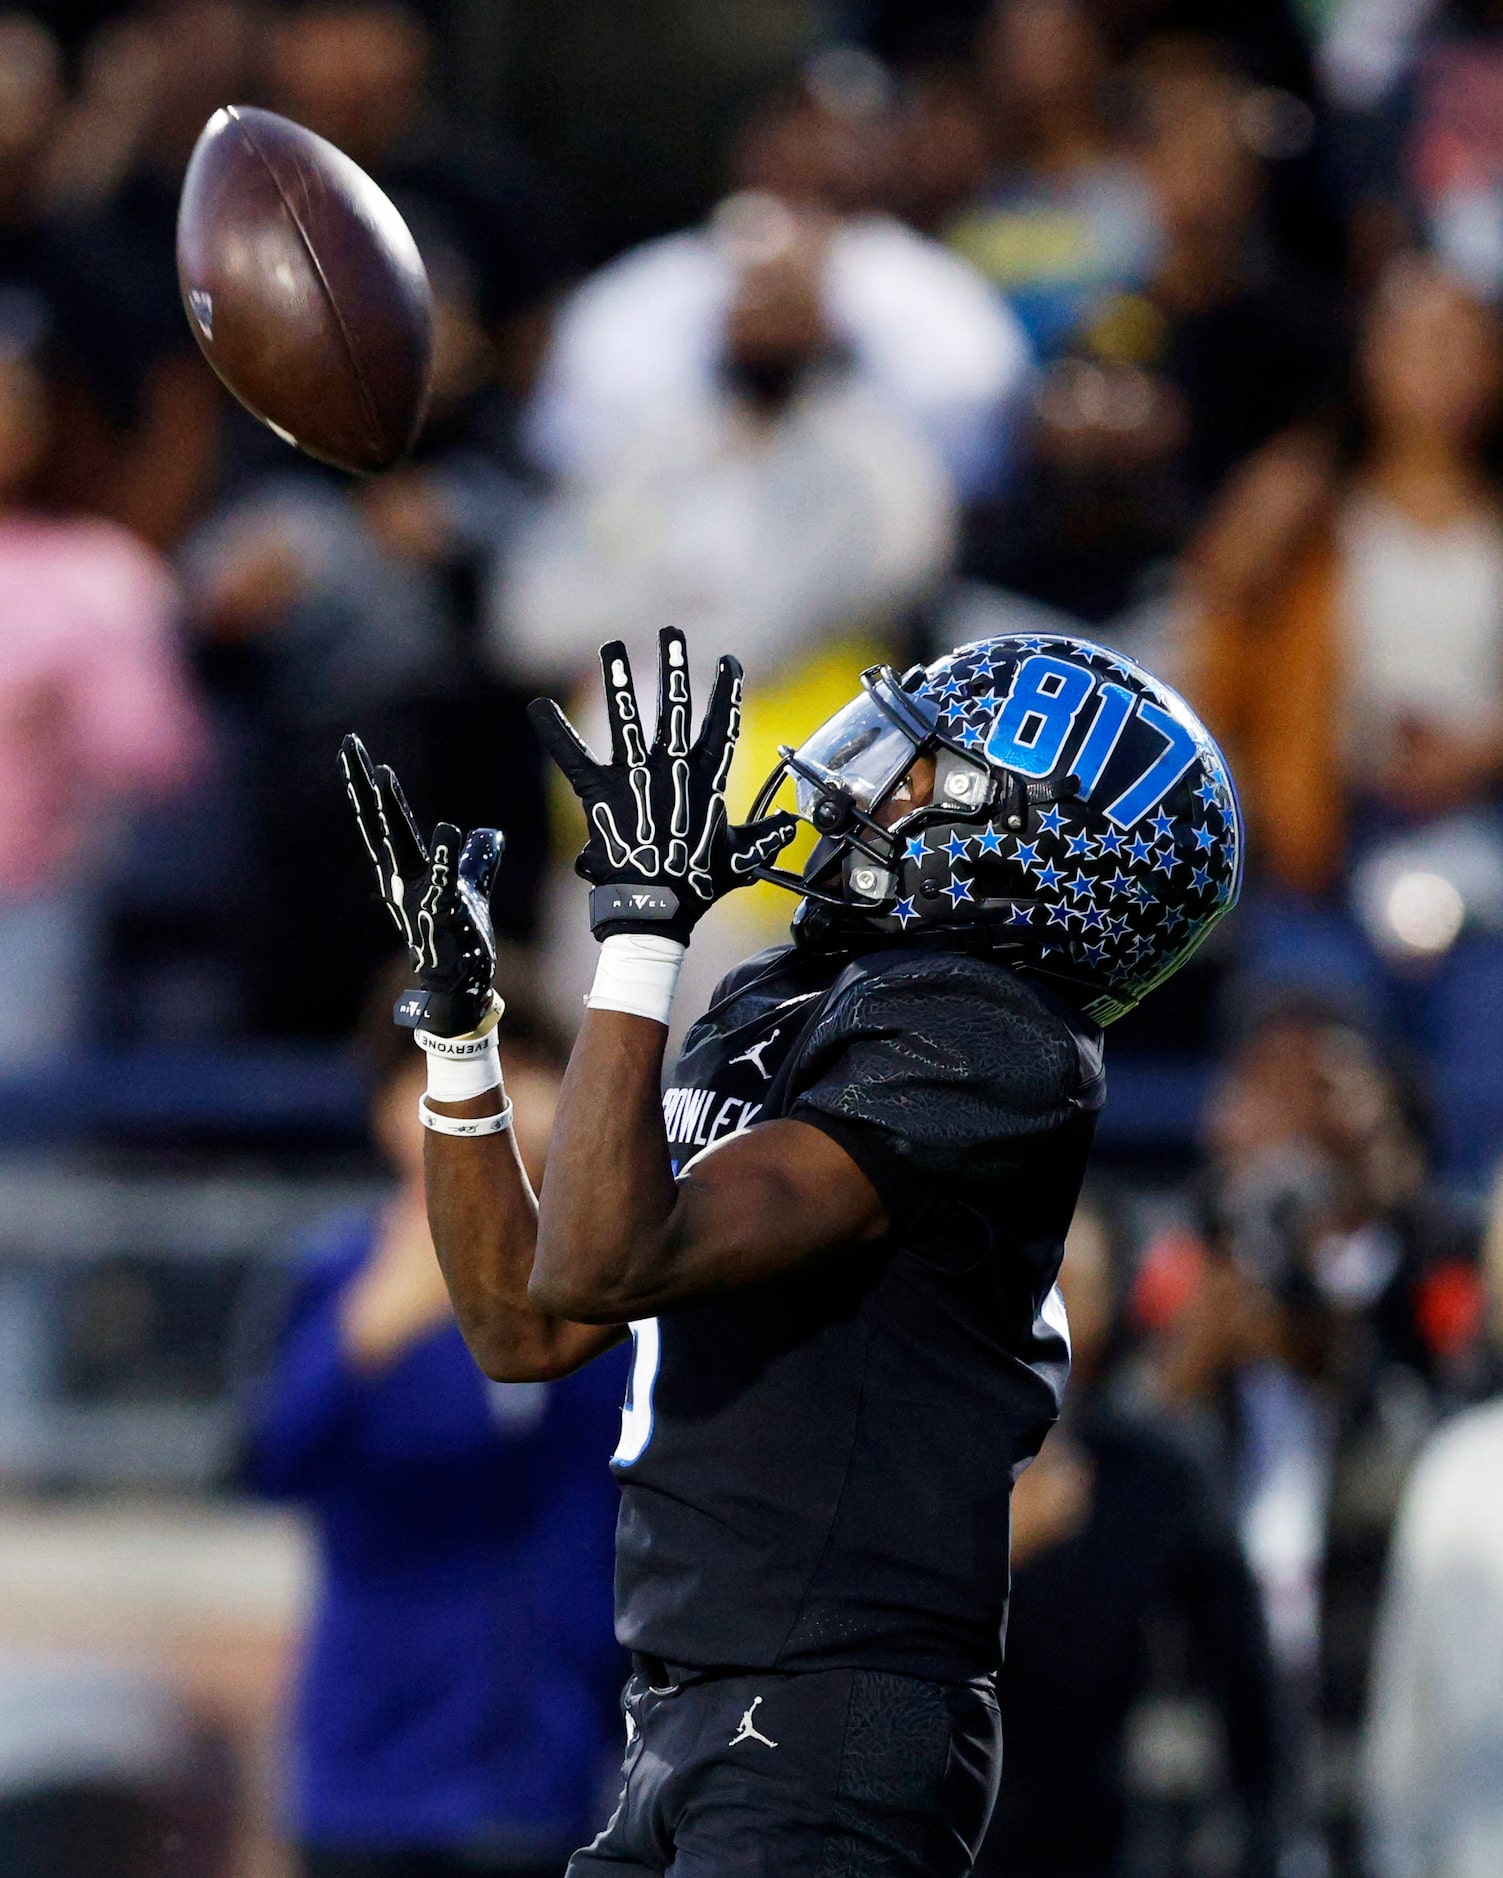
[[838, 1773]]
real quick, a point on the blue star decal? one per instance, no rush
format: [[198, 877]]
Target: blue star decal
[[1032, 644], [1078, 884], [989, 842], [956, 849], [1050, 877], [913, 849], [1174, 919], [1021, 914], [1094, 919], [1051, 821], [1209, 794], [1123, 883], [904, 911], [1058, 914], [983, 668], [1162, 826], [1166, 862], [958, 890], [1095, 953], [1078, 845], [1028, 854], [1200, 879], [972, 736], [1204, 840], [1110, 842], [1116, 925], [1139, 849]]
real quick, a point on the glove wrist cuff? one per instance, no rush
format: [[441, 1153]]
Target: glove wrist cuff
[[470, 1042], [632, 909], [637, 973]]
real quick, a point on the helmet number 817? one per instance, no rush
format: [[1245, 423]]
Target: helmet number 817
[[1047, 699]]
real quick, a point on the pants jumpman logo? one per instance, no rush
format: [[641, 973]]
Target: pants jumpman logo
[[748, 1730]]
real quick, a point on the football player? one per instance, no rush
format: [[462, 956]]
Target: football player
[[834, 1239]]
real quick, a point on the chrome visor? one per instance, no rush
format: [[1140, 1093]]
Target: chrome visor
[[860, 750]]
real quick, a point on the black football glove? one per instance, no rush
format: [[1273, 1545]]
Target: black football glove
[[661, 851], [439, 898]]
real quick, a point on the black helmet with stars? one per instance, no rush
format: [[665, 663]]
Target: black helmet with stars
[[1082, 820]]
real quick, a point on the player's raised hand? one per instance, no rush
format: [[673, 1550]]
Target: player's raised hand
[[661, 850], [438, 896]]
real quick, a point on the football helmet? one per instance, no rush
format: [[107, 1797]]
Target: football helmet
[[1082, 820]]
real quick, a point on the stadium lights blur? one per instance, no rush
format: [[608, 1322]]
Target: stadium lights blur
[[1424, 913]]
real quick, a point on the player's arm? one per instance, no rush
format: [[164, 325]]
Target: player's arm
[[481, 1207], [618, 1238], [483, 1217]]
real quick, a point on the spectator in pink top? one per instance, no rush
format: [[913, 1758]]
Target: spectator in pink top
[[95, 712]]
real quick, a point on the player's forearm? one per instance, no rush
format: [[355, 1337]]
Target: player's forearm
[[483, 1218], [620, 1239], [609, 1191]]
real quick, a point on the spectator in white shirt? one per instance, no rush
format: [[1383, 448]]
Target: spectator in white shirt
[[925, 335], [786, 504]]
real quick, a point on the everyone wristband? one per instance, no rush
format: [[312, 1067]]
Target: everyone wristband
[[468, 1127], [637, 973], [461, 1067]]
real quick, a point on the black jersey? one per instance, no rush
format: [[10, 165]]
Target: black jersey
[[815, 1471]]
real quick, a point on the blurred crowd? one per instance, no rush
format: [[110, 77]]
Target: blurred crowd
[[1174, 323]]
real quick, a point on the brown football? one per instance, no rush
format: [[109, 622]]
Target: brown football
[[305, 289]]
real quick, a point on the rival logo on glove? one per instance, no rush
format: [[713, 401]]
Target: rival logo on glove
[[644, 903], [409, 1009]]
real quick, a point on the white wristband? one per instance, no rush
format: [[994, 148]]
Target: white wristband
[[637, 973], [461, 1067], [466, 1126]]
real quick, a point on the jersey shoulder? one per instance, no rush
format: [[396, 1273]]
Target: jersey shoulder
[[955, 1059], [759, 967]]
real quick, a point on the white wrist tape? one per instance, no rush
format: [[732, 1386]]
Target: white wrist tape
[[637, 973], [461, 1067]]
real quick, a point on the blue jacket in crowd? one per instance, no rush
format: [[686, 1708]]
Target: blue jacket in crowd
[[458, 1690]]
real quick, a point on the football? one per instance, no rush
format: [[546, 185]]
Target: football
[[305, 289]]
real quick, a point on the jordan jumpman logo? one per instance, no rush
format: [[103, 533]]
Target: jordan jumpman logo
[[748, 1731], [754, 1054]]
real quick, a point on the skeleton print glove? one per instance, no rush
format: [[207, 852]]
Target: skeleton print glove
[[438, 897], [661, 851]]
